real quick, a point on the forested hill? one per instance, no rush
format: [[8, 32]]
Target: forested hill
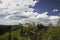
[[4, 26], [30, 32]]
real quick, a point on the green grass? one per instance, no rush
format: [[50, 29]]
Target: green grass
[[4, 36]]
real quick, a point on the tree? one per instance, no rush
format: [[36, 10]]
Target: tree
[[49, 32], [22, 32], [15, 38], [40, 26], [56, 34], [40, 34], [58, 23], [9, 38]]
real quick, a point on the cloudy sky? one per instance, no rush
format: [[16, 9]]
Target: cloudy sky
[[22, 11]]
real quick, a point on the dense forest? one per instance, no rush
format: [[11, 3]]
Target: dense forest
[[30, 32]]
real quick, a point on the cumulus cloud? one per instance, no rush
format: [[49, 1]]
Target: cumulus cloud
[[15, 10], [18, 11], [11, 5], [34, 17], [55, 10], [43, 15]]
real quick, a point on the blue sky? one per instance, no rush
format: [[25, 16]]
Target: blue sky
[[22, 11], [48, 5]]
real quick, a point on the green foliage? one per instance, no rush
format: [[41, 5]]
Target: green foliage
[[49, 32], [58, 23], [40, 26], [4, 36], [31, 32]]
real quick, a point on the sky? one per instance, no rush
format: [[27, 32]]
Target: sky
[[25, 11], [48, 5]]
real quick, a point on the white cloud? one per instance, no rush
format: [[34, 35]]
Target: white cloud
[[43, 15], [31, 17], [54, 19], [8, 9], [11, 5], [18, 11], [55, 10]]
